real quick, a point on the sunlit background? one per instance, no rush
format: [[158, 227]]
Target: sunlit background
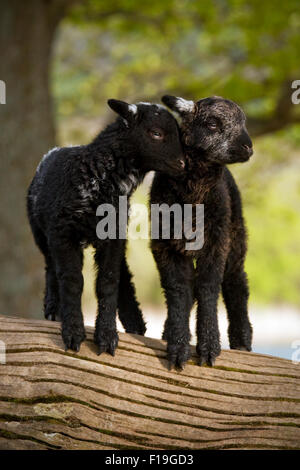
[[138, 51]]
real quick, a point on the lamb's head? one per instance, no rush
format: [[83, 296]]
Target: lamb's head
[[155, 135], [214, 126]]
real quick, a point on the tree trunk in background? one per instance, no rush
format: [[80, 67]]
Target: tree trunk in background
[[27, 132]]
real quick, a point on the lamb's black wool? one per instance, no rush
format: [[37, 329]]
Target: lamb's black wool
[[69, 184], [213, 134]]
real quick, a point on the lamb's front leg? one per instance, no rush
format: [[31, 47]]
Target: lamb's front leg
[[207, 289], [130, 313], [176, 275], [108, 257], [68, 263]]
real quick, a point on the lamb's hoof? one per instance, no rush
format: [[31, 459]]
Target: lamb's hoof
[[207, 356], [241, 348], [73, 337], [52, 316], [107, 341], [178, 355], [49, 316], [207, 360], [240, 338]]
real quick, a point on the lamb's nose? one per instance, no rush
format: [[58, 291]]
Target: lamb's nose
[[248, 148], [182, 163]]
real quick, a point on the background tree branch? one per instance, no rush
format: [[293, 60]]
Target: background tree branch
[[283, 115]]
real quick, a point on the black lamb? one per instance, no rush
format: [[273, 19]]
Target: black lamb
[[213, 134], [69, 184]]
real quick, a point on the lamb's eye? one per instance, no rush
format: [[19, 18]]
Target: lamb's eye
[[157, 135]]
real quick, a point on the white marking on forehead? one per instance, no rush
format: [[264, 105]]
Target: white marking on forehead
[[185, 105], [132, 108]]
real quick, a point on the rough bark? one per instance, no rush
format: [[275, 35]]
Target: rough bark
[[27, 132], [51, 399]]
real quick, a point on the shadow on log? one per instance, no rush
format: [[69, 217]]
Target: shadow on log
[[51, 399]]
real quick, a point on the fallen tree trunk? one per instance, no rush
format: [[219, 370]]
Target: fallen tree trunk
[[51, 399]]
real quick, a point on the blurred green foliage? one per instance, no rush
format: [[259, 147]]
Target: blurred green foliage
[[131, 49], [243, 50]]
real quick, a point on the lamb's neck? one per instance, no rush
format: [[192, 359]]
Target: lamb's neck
[[199, 179], [203, 170]]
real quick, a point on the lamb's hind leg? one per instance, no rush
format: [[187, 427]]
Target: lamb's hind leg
[[68, 263], [235, 293], [51, 299], [51, 296], [130, 314]]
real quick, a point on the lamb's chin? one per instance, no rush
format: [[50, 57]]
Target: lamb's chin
[[238, 159]]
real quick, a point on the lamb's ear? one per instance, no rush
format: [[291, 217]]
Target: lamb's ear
[[178, 105], [125, 110]]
